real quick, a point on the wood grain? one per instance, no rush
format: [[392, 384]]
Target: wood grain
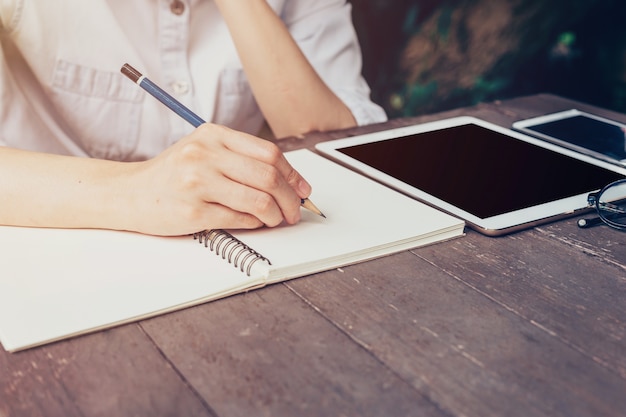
[[118, 372], [269, 353], [470, 330]]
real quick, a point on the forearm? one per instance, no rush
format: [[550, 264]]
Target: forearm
[[46, 190], [291, 95]]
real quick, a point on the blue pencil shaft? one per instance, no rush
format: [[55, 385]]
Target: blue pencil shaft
[[170, 102]]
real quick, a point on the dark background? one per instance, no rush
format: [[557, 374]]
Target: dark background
[[423, 56]]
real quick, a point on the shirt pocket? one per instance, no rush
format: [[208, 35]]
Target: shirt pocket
[[236, 106], [103, 109]]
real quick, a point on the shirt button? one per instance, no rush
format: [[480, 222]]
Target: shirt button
[[180, 87], [177, 7]]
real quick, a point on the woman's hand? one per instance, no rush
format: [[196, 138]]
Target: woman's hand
[[215, 178]]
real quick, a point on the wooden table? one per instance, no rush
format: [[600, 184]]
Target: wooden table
[[530, 324]]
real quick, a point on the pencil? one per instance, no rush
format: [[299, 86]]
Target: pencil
[[180, 109]]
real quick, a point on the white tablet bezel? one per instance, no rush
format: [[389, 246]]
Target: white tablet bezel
[[525, 125], [493, 226]]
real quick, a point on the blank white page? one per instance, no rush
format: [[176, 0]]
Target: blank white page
[[55, 283]]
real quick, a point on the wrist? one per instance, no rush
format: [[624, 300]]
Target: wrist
[[106, 190]]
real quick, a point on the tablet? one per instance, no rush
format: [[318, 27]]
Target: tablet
[[497, 180], [583, 132]]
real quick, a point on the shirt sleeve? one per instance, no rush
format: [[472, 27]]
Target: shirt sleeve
[[324, 32]]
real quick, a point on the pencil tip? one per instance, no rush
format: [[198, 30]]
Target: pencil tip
[[308, 204], [131, 72]]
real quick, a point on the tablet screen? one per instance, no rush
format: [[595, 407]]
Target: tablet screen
[[481, 171]]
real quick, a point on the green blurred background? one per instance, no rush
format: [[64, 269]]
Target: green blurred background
[[423, 56]]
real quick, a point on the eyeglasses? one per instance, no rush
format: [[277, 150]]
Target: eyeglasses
[[610, 203]]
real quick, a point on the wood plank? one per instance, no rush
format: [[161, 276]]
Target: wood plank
[[603, 243], [490, 345], [118, 372], [269, 353], [550, 282]]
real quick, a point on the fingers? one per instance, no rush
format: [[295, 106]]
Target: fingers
[[250, 199], [267, 152], [262, 183]]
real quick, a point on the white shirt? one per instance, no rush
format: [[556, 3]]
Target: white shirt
[[61, 89]]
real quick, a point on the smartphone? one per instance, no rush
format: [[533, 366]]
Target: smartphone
[[580, 131]]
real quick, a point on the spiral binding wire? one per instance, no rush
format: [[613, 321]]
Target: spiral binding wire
[[229, 247]]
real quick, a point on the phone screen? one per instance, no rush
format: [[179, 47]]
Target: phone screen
[[586, 132]]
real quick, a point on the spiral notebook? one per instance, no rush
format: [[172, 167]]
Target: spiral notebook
[[59, 283]]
